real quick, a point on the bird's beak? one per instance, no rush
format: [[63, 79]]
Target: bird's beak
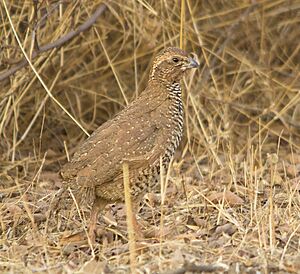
[[192, 63]]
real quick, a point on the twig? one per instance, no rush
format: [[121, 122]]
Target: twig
[[38, 76], [129, 217], [191, 267], [58, 43], [35, 30], [262, 112], [230, 34]]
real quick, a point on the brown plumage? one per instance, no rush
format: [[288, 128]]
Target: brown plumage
[[147, 129]]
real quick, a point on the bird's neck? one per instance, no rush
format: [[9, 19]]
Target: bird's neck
[[174, 90], [169, 94], [174, 95], [171, 89]]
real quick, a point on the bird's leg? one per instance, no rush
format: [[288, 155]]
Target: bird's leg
[[99, 205]]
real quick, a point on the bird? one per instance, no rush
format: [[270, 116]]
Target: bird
[[145, 134]]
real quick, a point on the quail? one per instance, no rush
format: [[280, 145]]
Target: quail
[[147, 130]]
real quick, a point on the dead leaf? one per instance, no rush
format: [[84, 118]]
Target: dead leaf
[[195, 221], [293, 158], [177, 257], [230, 197], [14, 209], [77, 238], [227, 228], [94, 266], [291, 170], [295, 184]]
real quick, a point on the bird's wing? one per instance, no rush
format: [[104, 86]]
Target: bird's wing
[[128, 136]]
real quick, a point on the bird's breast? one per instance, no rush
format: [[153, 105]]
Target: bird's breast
[[176, 116]]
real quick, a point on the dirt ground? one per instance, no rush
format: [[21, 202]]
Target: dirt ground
[[230, 202]]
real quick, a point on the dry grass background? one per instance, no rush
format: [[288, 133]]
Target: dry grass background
[[232, 194]]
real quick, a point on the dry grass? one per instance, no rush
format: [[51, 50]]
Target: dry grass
[[232, 193]]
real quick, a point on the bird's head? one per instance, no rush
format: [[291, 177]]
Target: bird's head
[[170, 65]]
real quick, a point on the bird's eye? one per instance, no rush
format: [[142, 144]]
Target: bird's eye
[[175, 60]]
